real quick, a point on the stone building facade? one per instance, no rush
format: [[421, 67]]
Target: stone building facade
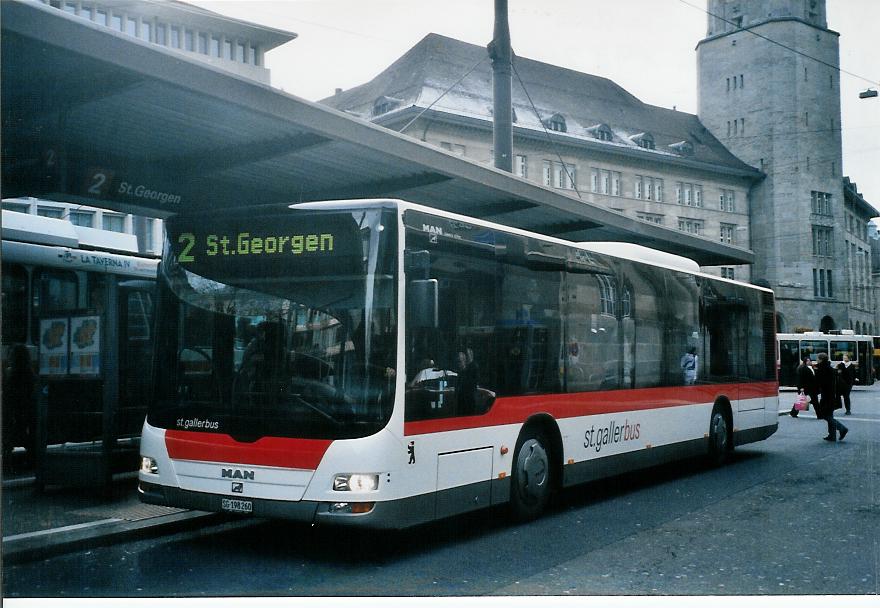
[[578, 133], [769, 90]]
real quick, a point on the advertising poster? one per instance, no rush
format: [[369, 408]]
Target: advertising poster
[[53, 347], [85, 345]]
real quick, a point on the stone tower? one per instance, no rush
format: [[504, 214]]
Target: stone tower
[[768, 88]]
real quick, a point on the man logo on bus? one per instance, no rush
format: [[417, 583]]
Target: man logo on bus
[[411, 450], [237, 474]]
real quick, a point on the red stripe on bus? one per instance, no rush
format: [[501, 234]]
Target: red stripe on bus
[[267, 451], [513, 410]]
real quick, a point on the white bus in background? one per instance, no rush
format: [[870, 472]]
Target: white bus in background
[[794, 347], [77, 308]]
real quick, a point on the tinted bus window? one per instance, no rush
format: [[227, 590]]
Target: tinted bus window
[[839, 348], [812, 348], [15, 303]]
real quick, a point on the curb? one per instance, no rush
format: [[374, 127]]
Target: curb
[[45, 543]]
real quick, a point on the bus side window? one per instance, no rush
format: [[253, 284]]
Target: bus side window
[[58, 291], [15, 304]]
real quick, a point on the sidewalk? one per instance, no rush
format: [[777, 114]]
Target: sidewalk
[[38, 524]]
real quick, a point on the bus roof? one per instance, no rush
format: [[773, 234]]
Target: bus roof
[[29, 228]]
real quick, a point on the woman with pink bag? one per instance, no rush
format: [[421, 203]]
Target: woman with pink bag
[[806, 385]]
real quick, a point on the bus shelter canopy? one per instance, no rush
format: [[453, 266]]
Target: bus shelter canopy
[[93, 116]]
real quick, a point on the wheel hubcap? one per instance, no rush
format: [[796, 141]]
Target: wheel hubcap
[[533, 467], [720, 433]]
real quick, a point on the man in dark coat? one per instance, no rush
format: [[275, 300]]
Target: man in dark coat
[[828, 398], [806, 382], [846, 377]]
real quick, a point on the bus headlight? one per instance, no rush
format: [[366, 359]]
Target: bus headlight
[[149, 466], [356, 482]]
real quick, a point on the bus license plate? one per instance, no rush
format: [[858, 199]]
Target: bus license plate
[[236, 506]]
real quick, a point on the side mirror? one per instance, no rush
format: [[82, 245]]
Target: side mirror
[[421, 299]]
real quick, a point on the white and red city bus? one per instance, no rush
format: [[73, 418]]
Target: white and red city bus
[[380, 363]]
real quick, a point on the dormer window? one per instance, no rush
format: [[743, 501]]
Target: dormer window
[[556, 123], [601, 132], [643, 140], [385, 104], [685, 148]]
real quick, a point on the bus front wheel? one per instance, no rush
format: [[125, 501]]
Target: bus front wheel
[[530, 483]]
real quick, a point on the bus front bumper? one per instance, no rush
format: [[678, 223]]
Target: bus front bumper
[[382, 515]]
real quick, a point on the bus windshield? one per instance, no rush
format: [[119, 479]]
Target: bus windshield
[[278, 325]]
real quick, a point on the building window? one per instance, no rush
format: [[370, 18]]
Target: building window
[[54, 212], [131, 26], [651, 218], [690, 195], [116, 23], [556, 123], [101, 16], [820, 202], [113, 221], [741, 81], [240, 53], [203, 44], [385, 104], [637, 187], [823, 244], [521, 166], [19, 207], [601, 132], [190, 40], [162, 34], [728, 233], [254, 55], [728, 84], [607, 296], [559, 175], [70, 7], [690, 226], [215, 47], [644, 140], [726, 200], [82, 218], [606, 182], [175, 37], [615, 183], [146, 31], [727, 273]]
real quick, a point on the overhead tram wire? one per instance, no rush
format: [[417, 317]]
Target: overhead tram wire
[[837, 68], [546, 132]]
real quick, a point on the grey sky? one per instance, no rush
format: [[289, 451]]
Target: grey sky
[[646, 46]]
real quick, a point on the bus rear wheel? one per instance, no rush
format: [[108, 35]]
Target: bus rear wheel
[[530, 483], [720, 444]]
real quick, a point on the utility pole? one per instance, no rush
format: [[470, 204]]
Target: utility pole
[[502, 112]]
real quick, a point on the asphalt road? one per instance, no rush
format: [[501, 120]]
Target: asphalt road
[[790, 515]]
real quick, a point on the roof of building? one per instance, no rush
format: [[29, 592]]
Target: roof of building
[[851, 192], [184, 12], [585, 101]]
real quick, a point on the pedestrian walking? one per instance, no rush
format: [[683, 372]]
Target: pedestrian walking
[[846, 377], [826, 378], [806, 384]]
